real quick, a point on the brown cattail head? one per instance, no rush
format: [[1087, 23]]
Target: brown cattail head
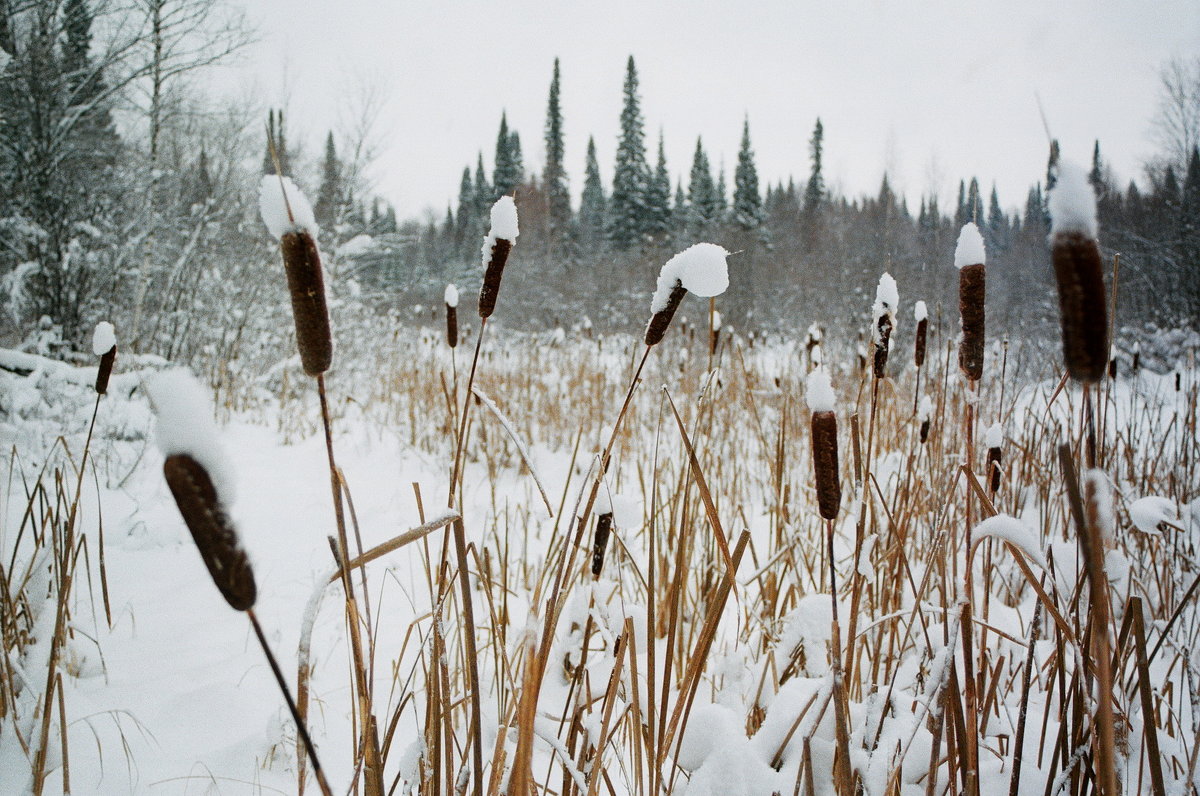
[[925, 415], [500, 248], [451, 325], [883, 341], [887, 298], [306, 284], [993, 469], [1081, 299], [972, 290], [603, 529], [825, 463], [212, 530], [919, 349], [660, 320], [106, 365], [925, 431]]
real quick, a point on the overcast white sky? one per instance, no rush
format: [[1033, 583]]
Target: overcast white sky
[[931, 91]]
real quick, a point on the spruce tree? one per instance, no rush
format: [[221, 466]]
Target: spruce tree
[[483, 191], [679, 211], [515, 156], [702, 194], [814, 192], [558, 194], [962, 211], [974, 203], [464, 221], [747, 204], [1189, 217], [275, 133], [593, 206], [329, 194], [631, 174], [658, 197], [505, 174], [721, 193], [997, 224]]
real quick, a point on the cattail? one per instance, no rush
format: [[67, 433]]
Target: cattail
[[715, 337], [969, 258], [884, 314], [993, 440], [1077, 268], [104, 345], [289, 217], [700, 269], [496, 246], [198, 477], [603, 529], [1137, 357], [925, 415], [812, 342], [451, 315], [921, 314], [1112, 363], [821, 402]]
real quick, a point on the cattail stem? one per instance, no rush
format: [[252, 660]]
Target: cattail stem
[[291, 703]]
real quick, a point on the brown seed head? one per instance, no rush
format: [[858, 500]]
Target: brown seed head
[[660, 320], [825, 463], [492, 275], [919, 351], [212, 530], [1081, 299], [972, 289], [302, 262], [603, 529], [993, 469], [883, 342], [452, 325], [106, 365]]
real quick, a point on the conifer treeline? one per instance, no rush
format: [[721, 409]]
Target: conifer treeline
[[805, 251]]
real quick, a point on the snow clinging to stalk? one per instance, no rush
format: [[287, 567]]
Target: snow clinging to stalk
[[701, 269], [883, 312], [496, 247], [1079, 274], [284, 207]]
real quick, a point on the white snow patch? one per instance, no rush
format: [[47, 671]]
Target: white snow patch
[[185, 425], [970, 249], [995, 436], [103, 339], [451, 295], [925, 411], [274, 209], [626, 509], [504, 220], [920, 311], [701, 269], [1011, 529], [716, 321], [357, 246], [819, 392], [1148, 512], [1072, 203]]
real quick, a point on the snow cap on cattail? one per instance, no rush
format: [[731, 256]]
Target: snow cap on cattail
[[821, 401], [104, 345], [289, 217], [1078, 271], [201, 481], [451, 315], [969, 258], [496, 246], [700, 269], [887, 299], [925, 415]]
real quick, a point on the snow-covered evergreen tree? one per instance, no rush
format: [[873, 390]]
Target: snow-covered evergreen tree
[[628, 218], [658, 198], [554, 177], [593, 205], [506, 174], [330, 193], [747, 203], [702, 193]]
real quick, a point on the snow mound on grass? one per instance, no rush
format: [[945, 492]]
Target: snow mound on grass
[[1149, 511]]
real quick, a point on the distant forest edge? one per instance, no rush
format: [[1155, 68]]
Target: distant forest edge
[[128, 196]]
